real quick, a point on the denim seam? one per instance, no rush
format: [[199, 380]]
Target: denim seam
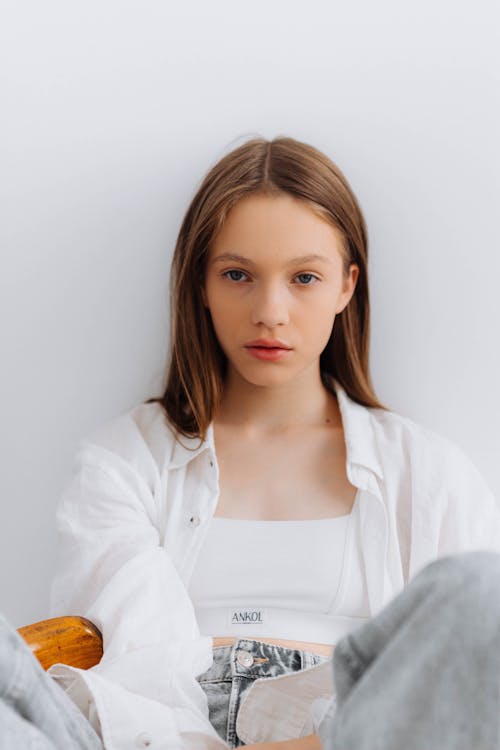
[[232, 711]]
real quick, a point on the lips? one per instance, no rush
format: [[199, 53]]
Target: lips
[[268, 353], [267, 344]]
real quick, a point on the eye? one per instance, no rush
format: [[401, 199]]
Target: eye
[[310, 275], [232, 271]]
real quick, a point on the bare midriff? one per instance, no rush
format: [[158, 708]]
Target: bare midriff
[[321, 649]]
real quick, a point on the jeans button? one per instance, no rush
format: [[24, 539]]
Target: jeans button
[[244, 658]]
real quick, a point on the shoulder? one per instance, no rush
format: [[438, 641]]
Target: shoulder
[[141, 439], [400, 436], [434, 483], [434, 463]]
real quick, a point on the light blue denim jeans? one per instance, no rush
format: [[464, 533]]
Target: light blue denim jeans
[[424, 674], [235, 670]]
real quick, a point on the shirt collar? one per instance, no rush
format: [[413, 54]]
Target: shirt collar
[[361, 447]]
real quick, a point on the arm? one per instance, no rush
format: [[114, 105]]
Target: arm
[[453, 509], [115, 571], [470, 511]]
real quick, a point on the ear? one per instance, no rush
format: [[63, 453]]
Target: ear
[[349, 286]]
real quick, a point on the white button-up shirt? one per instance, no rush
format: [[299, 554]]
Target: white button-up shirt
[[132, 521]]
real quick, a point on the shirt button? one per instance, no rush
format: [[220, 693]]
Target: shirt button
[[211, 463], [244, 658], [194, 521], [143, 740]]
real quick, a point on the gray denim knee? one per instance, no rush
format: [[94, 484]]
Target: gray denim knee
[[459, 594], [425, 671], [472, 578]]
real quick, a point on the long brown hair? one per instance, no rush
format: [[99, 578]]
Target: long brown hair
[[197, 368]]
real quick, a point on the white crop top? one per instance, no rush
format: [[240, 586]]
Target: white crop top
[[280, 579]]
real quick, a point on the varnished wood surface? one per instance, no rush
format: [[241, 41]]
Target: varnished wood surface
[[69, 640]]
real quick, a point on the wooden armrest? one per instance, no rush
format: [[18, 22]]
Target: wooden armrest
[[68, 640]]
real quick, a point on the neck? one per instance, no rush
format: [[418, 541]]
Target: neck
[[300, 403]]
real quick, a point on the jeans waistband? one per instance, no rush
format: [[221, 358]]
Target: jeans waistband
[[253, 659]]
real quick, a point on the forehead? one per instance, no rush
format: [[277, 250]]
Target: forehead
[[284, 226]]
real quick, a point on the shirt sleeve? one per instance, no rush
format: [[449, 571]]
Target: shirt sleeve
[[114, 570], [470, 513]]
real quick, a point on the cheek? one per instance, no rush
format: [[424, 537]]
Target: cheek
[[222, 306], [215, 298], [318, 318], [224, 316]]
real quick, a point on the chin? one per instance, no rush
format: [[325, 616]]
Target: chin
[[264, 379]]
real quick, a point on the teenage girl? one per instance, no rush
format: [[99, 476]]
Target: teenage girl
[[230, 536]]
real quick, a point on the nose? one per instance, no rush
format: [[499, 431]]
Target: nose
[[270, 306]]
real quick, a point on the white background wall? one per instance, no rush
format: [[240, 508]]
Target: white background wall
[[112, 112]]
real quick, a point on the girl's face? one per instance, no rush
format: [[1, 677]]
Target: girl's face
[[272, 290]]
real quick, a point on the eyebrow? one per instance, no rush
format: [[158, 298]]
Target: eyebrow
[[293, 261]]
